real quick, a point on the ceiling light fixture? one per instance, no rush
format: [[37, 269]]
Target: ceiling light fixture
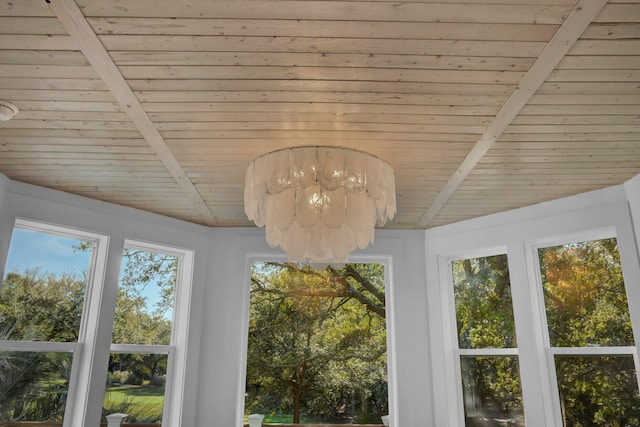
[[319, 203], [7, 111]]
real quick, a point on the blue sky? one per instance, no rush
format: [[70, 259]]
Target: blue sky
[[46, 252], [51, 254]]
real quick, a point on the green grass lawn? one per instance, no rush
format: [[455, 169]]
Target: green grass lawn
[[141, 402]]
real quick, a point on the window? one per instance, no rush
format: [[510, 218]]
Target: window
[[142, 343], [590, 335], [488, 357], [317, 344], [51, 308], [48, 276]]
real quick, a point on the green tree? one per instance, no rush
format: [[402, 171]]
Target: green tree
[[484, 316], [310, 333], [33, 385], [586, 306]]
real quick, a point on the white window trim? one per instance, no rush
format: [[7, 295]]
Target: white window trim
[[75, 410], [541, 326], [176, 364], [392, 386], [454, 387]]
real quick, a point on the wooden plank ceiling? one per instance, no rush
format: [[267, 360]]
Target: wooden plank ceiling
[[480, 106]]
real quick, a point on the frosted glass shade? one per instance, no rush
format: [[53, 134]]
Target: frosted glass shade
[[319, 203]]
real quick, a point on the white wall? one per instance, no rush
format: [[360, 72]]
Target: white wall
[[35, 203], [223, 345], [420, 349], [516, 233]]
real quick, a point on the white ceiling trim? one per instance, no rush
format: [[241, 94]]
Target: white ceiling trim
[[572, 28]]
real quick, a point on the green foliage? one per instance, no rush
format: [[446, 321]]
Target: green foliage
[[484, 310], [317, 340], [141, 404], [586, 306], [42, 307], [133, 323]]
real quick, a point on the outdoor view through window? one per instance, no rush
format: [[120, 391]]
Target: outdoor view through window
[[41, 303], [590, 333], [317, 344]]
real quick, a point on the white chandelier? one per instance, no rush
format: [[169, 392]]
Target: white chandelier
[[319, 203]]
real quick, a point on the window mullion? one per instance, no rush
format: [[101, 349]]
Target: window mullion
[[98, 322], [534, 369]]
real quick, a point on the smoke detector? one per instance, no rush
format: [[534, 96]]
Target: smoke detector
[[7, 111]]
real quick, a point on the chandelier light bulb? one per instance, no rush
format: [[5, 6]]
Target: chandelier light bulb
[[319, 203]]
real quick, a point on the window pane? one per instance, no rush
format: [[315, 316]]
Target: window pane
[[33, 386], [598, 390], [146, 295], [317, 344], [44, 287], [136, 386], [491, 391], [584, 295], [484, 311]]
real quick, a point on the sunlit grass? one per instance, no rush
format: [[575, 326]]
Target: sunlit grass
[[143, 402]]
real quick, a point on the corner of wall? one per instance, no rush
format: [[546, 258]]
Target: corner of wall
[[632, 191]]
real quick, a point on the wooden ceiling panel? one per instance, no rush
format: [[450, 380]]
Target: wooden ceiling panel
[[480, 106]]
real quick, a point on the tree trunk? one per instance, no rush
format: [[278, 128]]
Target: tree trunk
[[297, 395]]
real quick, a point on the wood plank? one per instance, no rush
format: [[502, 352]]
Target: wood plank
[[288, 59], [336, 11], [320, 28], [550, 145], [541, 120], [37, 42], [50, 83], [567, 137], [595, 99], [283, 96], [582, 88], [606, 47], [293, 117], [47, 71], [594, 76], [594, 62], [49, 57], [61, 115], [89, 96], [615, 30], [30, 149], [32, 25], [580, 109], [565, 37], [75, 23], [619, 13], [69, 133], [321, 74], [294, 136], [550, 128], [25, 8], [313, 45], [18, 122], [321, 86], [312, 127], [67, 106], [305, 107]]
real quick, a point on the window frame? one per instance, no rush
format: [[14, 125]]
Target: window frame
[[392, 376], [94, 337], [75, 408], [541, 325], [175, 350], [454, 384]]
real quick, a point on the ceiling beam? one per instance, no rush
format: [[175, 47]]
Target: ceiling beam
[[571, 29], [79, 29]]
